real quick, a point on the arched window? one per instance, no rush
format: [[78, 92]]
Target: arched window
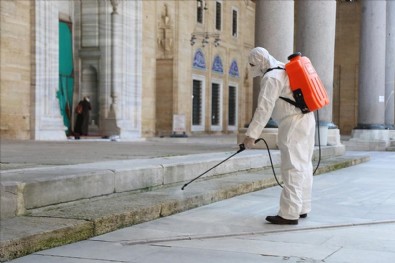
[[234, 69], [217, 65], [199, 62]]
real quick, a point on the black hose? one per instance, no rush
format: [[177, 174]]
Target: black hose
[[319, 151], [319, 143], [242, 148], [270, 157]]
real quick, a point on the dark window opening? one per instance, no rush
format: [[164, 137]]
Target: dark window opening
[[232, 106], [234, 23], [199, 10], [218, 16], [215, 104], [197, 103]]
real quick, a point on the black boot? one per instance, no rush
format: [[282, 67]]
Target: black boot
[[278, 220]]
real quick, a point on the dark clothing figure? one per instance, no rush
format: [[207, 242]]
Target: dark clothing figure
[[82, 121]]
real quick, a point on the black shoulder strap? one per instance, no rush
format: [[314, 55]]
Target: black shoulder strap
[[290, 101], [299, 103], [270, 69]]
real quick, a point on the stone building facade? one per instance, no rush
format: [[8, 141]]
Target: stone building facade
[[133, 58], [194, 66], [43, 77], [159, 68]]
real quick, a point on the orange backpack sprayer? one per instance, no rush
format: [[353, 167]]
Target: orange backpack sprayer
[[308, 91], [305, 83]]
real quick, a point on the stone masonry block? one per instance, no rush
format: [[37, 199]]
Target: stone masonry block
[[70, 188], [11, 199], [133, 179]]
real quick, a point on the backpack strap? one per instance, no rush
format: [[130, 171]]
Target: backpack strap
[[290, 101], [270, 69], [299, 101], [297, 94]]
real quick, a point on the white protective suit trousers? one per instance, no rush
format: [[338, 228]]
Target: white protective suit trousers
[[296, 144]]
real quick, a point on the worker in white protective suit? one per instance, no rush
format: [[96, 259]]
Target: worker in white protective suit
[[295, 136]]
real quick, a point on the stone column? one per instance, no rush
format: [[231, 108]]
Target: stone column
[[274, 31], [116, 54], [390, 66], [121, 59], [274, 27], [46, 121], [110, 126], [370, 133], [372, 65], [315, 38], [129, 119]]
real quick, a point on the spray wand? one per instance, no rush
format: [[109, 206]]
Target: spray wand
[[242, 148]]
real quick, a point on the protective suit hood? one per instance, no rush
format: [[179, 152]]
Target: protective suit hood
[[260, 60]]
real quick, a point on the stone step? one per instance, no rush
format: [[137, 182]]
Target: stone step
[[56, 225], [30, 188]]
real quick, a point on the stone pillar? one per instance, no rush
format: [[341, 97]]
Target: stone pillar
[[372, 65], [46, 121], [110, 126], [274, 31], [390, 67], [131, 61], [315, 38], [370, 133], [120, 87], [116, 54], [274, 27]]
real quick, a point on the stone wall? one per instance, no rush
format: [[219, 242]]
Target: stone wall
[[29, 107], [149, 22], [168, 58], [345, 90], [15, 68]]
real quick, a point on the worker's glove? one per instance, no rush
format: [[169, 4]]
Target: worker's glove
[[249, 142]]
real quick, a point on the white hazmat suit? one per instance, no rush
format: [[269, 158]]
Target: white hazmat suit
[[295, 134]]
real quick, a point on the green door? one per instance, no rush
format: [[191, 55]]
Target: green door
[[66, 78]]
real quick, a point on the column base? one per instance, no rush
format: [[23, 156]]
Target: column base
[[270, 135], [391, 135], [128, 132], [51, 130], [330, 135], [334, 137], [368, 140], [362, 126]]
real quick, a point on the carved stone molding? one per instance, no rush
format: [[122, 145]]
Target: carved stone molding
[[115, 4], [165, 33]]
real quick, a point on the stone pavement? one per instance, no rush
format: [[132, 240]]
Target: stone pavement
[[75, 190], [353, 220]]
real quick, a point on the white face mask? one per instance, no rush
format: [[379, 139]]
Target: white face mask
[[255, 71]]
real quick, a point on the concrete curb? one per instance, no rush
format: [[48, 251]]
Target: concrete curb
[[31, 188], [62, 224]]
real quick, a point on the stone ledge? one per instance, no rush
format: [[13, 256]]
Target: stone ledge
[[21, 236], [31, 188], [62, 224]]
